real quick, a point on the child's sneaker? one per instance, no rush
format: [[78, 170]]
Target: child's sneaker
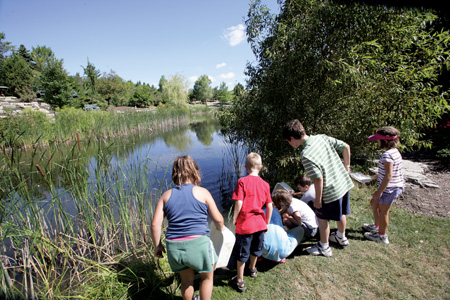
[[341, 241], [376, 237], [318, 250], [370, 227]]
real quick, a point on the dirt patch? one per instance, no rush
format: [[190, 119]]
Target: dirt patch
[[429, 201]]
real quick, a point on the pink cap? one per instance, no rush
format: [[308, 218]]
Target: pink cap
[[378, 136]]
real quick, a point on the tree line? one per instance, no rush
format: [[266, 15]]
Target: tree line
[[38, 73], [343, 68]]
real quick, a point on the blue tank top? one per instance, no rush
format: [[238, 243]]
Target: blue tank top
[[186, 215]]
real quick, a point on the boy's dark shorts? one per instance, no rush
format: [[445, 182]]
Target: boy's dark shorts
[[334, 210], [248, 244]]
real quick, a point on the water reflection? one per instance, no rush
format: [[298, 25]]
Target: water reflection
[[134, 164]]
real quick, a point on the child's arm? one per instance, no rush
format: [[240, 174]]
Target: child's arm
[[269, 209], [346, 155], [158, 218], [296, 193], [318, 187], [297, 219], [213, 211], [237, 210], [388, 169]]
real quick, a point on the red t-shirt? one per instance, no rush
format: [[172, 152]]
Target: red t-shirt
[[255, 194]]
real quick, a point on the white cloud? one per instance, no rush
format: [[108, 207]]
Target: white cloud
[[235, 34], [227, 75], [218, 66], [192, 79], [212, 79]]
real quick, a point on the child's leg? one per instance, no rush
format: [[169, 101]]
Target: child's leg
[[342, 224], [376, 211], [253, 260], [206, 285], [384, 217], [240, 270], [187, 283], [324, 229]]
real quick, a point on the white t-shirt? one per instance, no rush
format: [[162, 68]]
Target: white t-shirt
[[306, 213], [309, 195]]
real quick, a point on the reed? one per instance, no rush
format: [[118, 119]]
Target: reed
[[88, 241], [69, 124]]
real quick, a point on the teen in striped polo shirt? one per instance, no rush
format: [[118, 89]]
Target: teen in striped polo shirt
[[320, 157], [390, 182]]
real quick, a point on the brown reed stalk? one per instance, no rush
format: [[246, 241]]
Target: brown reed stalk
[[78, 140], [40, 170]]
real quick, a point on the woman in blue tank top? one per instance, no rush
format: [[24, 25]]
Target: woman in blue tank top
[[186, 208]]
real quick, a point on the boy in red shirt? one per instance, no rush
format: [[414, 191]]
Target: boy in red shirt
[[251, 194]]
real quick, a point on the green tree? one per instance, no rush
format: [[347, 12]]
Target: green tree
[[5, 46], [112, 89], [342, 68], [223, 95], [143, 96], [55, 84], [41, 55], [238, 90], [202, 90], [25, 53], [175, 91], [17, 76], [92, 74]]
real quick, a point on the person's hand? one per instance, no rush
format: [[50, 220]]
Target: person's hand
[[376, 196], [159, 251], [318, 204]]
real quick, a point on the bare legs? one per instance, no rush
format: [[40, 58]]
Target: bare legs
[[187, 284], [381, 215], [324, 229], [241, 267]]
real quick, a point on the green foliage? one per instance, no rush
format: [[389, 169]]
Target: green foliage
[[55, 83], [343, 69], [41, 55], [112, 89], [143, 96], [175, 92], [92, 74], [17, 76], [202, 90], [5, 47], [223, 95]]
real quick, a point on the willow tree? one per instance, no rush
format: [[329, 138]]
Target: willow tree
[[342, 69]]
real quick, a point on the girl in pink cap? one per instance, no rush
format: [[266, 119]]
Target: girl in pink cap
[[390, 183]]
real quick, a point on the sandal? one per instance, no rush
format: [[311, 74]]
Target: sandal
[[253, 273], [240, 286]]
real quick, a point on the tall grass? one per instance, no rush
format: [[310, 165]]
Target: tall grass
[[70, 124], [99, 248]]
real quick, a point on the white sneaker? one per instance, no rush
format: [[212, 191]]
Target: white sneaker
[[341, 241], [370, 227], [376, 237], [318, 250]]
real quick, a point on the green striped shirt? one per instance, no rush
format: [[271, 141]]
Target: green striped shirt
[[321, 160]]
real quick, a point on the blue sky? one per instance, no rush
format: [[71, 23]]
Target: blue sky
[[140, 40]]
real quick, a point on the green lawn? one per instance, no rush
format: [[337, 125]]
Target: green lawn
[[415, 265]]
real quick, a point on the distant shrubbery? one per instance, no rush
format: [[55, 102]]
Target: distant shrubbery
[[31, 127]]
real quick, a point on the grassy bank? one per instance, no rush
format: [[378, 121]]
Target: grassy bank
[[415, 265], [36, 128], [104, 250]]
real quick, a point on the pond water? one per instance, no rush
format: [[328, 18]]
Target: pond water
[[141, 162]]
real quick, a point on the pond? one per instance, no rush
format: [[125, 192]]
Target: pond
[[140, 164]]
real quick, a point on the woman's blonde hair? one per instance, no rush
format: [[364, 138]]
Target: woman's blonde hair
[[185, 170]]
